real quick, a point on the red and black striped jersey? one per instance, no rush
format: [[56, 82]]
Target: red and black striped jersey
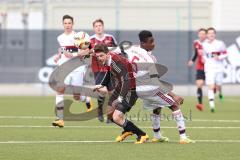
[[121, 73]]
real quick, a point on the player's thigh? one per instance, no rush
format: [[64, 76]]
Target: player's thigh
[[68, 79], [200, 75], [146, 91], [200, 78], [219, 78], [110, 111], [153, 102], [127, 102], [77, 78], [210, 78]]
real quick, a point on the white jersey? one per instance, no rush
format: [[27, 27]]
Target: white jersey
[[150, 94], [210, 49], [76, 77], [137, 55], [65, 40]]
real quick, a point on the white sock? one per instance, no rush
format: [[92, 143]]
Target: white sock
[[156, 125], [59, 105], [178, 116], [211, 98], [88, 99]]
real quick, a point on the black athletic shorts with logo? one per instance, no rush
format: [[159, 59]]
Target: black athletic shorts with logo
[[127, 101]]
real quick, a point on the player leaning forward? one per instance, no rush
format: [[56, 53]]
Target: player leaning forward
[[75, 78], [124, 95], [214, 52], [154, 98]]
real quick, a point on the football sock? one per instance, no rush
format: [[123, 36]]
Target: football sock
[[156, 125], [88, 102], [130, 127], [100, 101], [199, 95], [178, 116], [88, 99], [220, 96], [100, 105], [59, 105], [211, 103], [211, 98]]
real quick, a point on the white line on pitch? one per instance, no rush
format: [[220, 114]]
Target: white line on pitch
[[216, 120], [26, 117], [49, 117], [220, 141], [106, 141], [112, 127], [34, 142]]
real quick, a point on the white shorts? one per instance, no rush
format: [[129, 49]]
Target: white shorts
[[146, 90], [213, 77], [76, 77], [156, 101]]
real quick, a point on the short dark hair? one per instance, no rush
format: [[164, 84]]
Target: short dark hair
[[67, 17], [202, 29], [98, 20], [144, 35], [101, 48], [211, 29]]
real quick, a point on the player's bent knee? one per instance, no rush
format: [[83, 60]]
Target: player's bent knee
[[117, 118]]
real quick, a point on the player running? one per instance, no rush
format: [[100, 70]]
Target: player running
[[124, 95], [214, 52], [200, 74], [100, 37], [75, 78], [155, 100]]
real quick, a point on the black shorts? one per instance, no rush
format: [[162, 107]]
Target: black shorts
[[200, 75], [127, 102], [98, 76]]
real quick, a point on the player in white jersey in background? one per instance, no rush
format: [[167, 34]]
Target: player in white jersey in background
[[75, 78], [214, 52], [152, 100]]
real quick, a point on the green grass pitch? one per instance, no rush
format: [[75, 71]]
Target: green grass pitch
[[26, 133]]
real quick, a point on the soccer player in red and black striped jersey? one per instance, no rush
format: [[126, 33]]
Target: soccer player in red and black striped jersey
[[198, 57], [100, 37], [124, 95]]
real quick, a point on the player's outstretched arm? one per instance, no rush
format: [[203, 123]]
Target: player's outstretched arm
[[57, 56], [101, 89]]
